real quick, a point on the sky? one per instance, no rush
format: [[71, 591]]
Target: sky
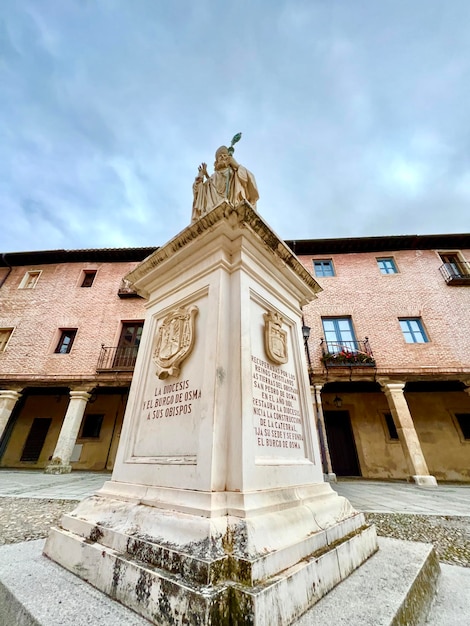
[[354, 114]]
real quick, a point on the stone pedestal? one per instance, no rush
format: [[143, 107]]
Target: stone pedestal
[[217, 511]]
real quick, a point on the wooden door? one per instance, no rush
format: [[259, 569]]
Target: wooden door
[[341, 443]]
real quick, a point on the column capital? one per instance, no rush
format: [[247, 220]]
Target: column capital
[[88, 387], [318, 387], [80, 395], [391, 386], [9, 394]]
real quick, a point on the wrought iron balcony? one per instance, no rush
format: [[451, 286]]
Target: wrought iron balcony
[[347, 354], [456, 273], [120, 358]]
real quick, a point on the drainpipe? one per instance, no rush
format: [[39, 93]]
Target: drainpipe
[[4, 259]]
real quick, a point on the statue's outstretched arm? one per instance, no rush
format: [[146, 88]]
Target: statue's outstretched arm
[[202, 171]]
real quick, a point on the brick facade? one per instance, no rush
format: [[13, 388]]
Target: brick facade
[[58, 302], [375, 302], [421, 389], [432, 378], [31, 365]]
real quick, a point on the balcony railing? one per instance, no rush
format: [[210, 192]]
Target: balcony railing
[[347, 354], [456, 273], [120, 358]]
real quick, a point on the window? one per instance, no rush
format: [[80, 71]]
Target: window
[[92, 426], [387, 266], [30, 279], [128, 346], [324, 268], [88, 278], [339, 334], [413, 330], [392, 431], [67, 337], [5, 334], [453, 263], [463, 420]]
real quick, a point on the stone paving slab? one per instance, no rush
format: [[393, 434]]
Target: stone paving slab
[[364, 495], [34, 591], [36, 484], [387, 497], [30, 584], [452, 604], [377, 593]]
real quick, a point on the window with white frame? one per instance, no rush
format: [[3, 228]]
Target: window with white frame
[[5, 334], [30, 279]]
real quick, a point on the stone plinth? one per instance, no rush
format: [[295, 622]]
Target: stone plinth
[[217, 511]]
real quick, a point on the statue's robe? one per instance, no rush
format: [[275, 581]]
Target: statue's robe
[[226, 184]]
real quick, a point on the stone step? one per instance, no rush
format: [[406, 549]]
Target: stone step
[[395, 586]]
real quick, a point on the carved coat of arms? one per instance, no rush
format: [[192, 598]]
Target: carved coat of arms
[[174, 340], [275, 338]]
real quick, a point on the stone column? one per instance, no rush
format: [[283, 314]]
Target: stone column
[[8, 399], [60, 463], [407, 433], [329, 474]]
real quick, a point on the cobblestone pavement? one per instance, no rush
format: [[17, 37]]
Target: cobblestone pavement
[[449, 534], [24, 519]]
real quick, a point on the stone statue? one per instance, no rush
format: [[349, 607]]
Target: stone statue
[[230, 181]]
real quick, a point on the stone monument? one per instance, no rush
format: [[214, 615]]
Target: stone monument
[[217, 512]]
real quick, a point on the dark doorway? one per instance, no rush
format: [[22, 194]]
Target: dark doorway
[[36, 438], [341, 443]]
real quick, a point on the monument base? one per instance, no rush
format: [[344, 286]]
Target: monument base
[[57, 469], [424, 481], [265, 568]]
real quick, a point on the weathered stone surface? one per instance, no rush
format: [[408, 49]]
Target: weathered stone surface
[[217, 511]]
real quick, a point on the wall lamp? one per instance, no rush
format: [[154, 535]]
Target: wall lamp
[[338, 402]]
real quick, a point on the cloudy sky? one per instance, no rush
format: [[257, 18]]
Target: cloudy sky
[[354, 113]]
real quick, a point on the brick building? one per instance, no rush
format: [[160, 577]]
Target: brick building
[[389, 355], [69, 334]]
